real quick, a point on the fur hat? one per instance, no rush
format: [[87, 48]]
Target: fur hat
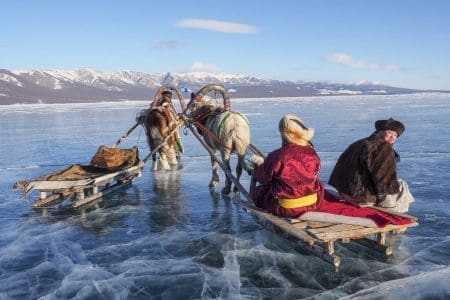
[[390, 124], [294, 131]]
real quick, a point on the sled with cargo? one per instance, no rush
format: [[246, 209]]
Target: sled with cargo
[[110, 169], [316, 232]]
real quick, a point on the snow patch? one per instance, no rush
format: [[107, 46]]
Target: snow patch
[[338, 92], [10, 79]]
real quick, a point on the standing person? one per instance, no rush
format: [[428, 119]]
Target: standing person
[[289, 175], [366, 172], [165, 100]]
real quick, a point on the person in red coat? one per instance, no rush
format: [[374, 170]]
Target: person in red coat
[[288, 177]]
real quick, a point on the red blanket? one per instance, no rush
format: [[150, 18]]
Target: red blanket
[[333, 206]]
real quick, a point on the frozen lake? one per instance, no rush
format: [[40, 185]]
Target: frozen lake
[[168, 237]]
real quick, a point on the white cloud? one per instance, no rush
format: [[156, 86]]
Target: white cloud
[[167, 44], [198, 66], [350, 62], [391, 68], [214, 25]]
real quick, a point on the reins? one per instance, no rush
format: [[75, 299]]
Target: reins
[[211, 134]]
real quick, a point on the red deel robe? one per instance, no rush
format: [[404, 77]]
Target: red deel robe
[[288, 173]]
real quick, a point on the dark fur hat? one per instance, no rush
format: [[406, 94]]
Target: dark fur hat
[[390, 124]]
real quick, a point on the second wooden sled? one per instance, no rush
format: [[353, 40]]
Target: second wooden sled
[[319, 237], [79, 191]]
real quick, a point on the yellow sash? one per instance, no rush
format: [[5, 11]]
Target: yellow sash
[[298, 202]]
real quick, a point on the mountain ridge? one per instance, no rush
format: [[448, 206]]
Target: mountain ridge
[[89, 85]]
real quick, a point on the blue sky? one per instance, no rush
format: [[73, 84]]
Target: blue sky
[[396, 42]]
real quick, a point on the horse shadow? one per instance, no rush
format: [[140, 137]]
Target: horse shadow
[[167, 204]]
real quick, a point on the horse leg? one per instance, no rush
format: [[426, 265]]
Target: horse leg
[[226, 161], [215, 173], [238, 171], [154, 163], [172, 157], [163, 159]]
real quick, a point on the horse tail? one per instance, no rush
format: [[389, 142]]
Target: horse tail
[[241, 139]]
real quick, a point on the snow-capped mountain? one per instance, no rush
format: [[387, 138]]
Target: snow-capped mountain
[[87, 85]]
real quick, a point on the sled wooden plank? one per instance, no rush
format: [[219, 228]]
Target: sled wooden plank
[[360, 232], [316, 224], [300, 225], [334, 228]]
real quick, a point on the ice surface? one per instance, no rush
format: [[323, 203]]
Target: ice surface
[[167, 236]]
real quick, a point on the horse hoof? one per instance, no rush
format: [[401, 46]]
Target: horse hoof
[[213, 183]]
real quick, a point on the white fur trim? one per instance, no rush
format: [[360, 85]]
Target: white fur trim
[[291, 131]]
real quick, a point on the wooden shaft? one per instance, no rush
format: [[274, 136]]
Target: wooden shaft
[[256, 150], [123, 137], [222, 166]]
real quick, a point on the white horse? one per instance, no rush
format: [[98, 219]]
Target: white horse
[[223, 130]]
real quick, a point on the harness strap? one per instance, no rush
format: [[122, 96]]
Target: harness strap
[[210, 133], [298, 202]]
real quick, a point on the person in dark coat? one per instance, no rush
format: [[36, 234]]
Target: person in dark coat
[[366, 172], [289, 175]]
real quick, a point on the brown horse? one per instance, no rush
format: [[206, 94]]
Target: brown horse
[[160, 122]]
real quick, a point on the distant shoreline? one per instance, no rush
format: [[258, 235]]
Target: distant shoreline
[[84, 101]]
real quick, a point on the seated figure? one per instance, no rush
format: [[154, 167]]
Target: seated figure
[[289, 176], [366, 172]]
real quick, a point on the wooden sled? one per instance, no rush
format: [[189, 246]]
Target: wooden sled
[[317, 237], [79, 191]]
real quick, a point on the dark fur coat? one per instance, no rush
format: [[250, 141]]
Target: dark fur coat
[[367, 170]]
